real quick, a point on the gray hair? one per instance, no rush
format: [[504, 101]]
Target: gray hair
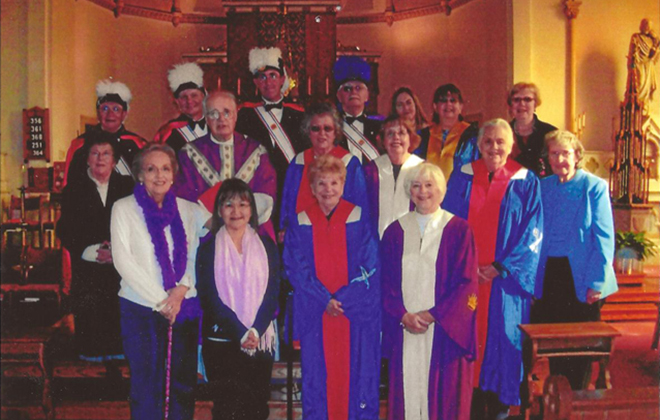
[[424, 169], [566, 139], [323, 108], [219, 94], [494, 123]]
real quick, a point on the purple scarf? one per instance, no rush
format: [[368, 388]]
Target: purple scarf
[[157, 220]]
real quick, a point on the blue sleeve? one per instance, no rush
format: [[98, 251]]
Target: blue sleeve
[[601, 238], [355, 190], [457, 199], [520, 255], [299, 265], [289, 195], [360, 298]]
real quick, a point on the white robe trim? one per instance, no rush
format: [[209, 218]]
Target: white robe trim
[[420, 253], [392, 199]]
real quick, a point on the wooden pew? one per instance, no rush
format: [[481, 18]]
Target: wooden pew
[[562, 403]]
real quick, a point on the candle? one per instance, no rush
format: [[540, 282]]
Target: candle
[[309, 86], [238, 87], [327, 86]]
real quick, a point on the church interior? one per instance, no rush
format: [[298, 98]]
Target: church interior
[[53, 52]]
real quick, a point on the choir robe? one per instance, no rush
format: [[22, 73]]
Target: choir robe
[[355, 190], [460, 146], [361, 303], [455, 303], [190, 185], [178, 132], [387, 198], [518, 242]]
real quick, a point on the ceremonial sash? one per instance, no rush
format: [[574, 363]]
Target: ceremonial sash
[[276, 132], [331, 263], [484, 216], [392, 199], [358, 140], [305, 198], [187, 133], [123, 168]]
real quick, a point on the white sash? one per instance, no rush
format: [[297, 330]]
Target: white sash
[[123, 168], [418, 277], [392, 199], [358, 140], [276, 132], [188, 134]]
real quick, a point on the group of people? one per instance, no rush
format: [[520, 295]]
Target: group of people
[[421, 244]]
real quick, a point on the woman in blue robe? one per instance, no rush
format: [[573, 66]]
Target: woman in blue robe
[[501, 201], [323, 127], [575, 269], [331, 258]]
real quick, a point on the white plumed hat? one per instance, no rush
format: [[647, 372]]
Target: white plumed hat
[[109, 91], [185, 76], [264, 58]]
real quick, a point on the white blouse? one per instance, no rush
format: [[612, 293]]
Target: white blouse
[[134, 255]]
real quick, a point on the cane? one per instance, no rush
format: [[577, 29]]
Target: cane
[[168, 372]]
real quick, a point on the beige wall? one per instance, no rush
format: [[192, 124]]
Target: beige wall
[[54, 51], [468, 48]]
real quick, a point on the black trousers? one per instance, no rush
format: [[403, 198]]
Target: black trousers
[[560, 304], [240, 383]]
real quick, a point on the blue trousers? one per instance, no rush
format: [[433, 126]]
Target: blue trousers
[[144, 334]]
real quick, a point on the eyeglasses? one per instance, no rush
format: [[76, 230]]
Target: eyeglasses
[[450, 100], [351, 88], [107, 108], [391, 133], [318, 128], [215, 114], [268, 76], [518, 99], [100, 155]]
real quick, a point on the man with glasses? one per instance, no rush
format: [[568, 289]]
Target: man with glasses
[[112, 105], [224, 153], [360, 131], [186, 81], [272, 122]]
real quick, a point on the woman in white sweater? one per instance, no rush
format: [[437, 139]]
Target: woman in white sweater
[[154, 242]]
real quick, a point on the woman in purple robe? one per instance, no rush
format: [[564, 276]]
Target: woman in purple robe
[[429, 275]]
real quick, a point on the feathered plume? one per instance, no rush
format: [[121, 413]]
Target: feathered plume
[[185, 73]]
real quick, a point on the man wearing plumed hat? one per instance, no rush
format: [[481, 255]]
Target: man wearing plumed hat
[[273, 122], [186, 81], [352, 74], [112, 106]]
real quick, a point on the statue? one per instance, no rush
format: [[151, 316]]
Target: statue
[[641, 59]]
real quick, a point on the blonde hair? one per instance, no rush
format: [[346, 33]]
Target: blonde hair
[[425, 169], [566, 139], [522, 86], [326, 164]]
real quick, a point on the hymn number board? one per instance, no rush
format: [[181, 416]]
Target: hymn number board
[[36, 134]]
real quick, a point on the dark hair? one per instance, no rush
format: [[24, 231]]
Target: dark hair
[[230, 189], [420, 117], [103, 137], [322, 108], [446, 90], [394, 119], [136, 166]]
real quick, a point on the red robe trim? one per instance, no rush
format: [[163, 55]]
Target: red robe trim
[[305, 198], [483, 217], [331, 265], [165, 131]]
